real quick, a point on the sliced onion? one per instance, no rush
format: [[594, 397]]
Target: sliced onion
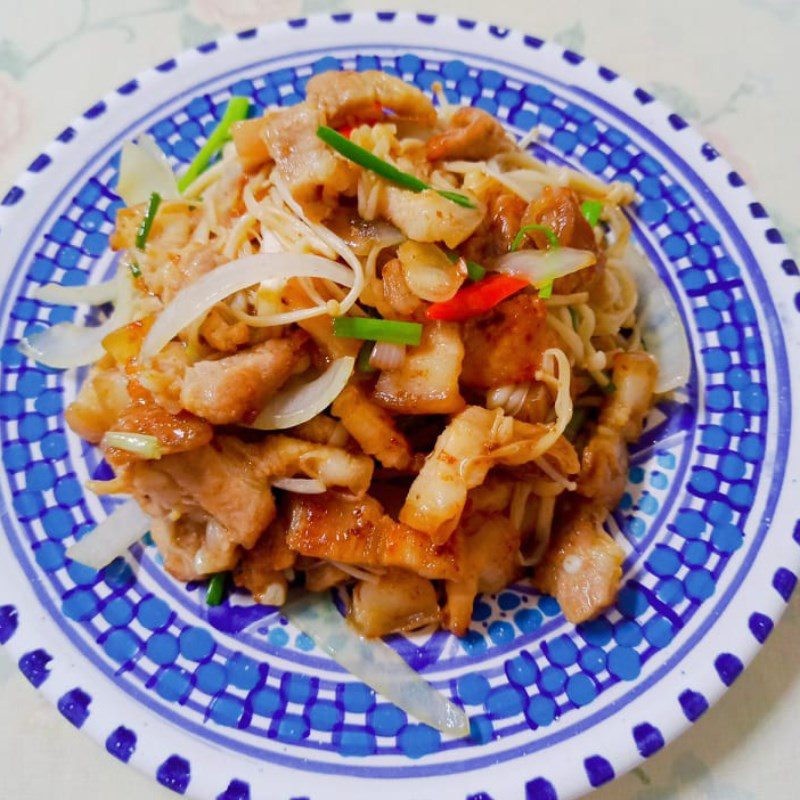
[[429, 273], [662, 328], [213, 287], [68, 345], [95, 294], [140, 444], [112, 537], [542, 266], [387, 356], [300, 485], [375, 663], [144, 169], [302, 400]]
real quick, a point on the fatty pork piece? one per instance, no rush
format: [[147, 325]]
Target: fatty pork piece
[[396, 601], [505, 345], [310, 169], [99, 403], [471, 134], [488, 548], [372, 427], [427, 380], [428, 217], [262, 569], [560, 210], [348, 97], [231, 388], [358, 532], [582, 567], [282, 456], [193, 546], [476, 440], [604, 461], [222, 481]]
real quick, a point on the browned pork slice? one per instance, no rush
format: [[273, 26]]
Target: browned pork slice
[[428, 217], [560, 210], [471, 134], [499, 227], [282, 456], [476, 440], [175, 433], [358, 532], [625, 409], [261, 569], [220, 480], [234, 387], [372, 427], [396, 601], [582, 567], [604, 468], [427, 381], [488, 549], [348, 97], [101, 399], [505, 345], [309, 167]]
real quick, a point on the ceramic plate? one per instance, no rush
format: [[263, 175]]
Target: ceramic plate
[[233, 702]]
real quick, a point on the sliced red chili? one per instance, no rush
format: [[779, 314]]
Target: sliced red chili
[[477, 298]]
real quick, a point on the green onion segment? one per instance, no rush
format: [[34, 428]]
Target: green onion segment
[[362, 362], [552, 239], [378, 330], [147, 220], [591, 210], [358, 155], [216, 589], [237, 109]]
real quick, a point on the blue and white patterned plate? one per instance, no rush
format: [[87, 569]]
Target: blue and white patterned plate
[[233, 702]]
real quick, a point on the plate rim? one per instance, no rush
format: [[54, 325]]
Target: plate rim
[[780, 253]]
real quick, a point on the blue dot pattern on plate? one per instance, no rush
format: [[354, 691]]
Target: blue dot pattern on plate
[[522, 667]]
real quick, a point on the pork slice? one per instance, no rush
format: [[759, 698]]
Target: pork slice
[[359, 533], [229, 389], [219, 480]]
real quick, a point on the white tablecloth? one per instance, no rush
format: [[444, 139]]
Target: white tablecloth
[[731, 67]]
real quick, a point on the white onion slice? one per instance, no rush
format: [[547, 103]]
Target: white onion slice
[[542, 266], [662, 328], [302, 400], [387, 356], [112, 537], [375, 663], [300, 485], [213, 287], [95, 294], [68, 345], [144, 169]]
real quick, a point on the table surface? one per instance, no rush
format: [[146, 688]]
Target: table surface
[[728, 66]]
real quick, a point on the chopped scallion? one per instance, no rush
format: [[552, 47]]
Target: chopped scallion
[[591, 210], [475, 271], [147, 220], [546, 290], [237, 109], [135, 269], [362, 362], [552, 239], [216, 589], [576, 423], [573, 315], [378, 330], [358, 155]]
